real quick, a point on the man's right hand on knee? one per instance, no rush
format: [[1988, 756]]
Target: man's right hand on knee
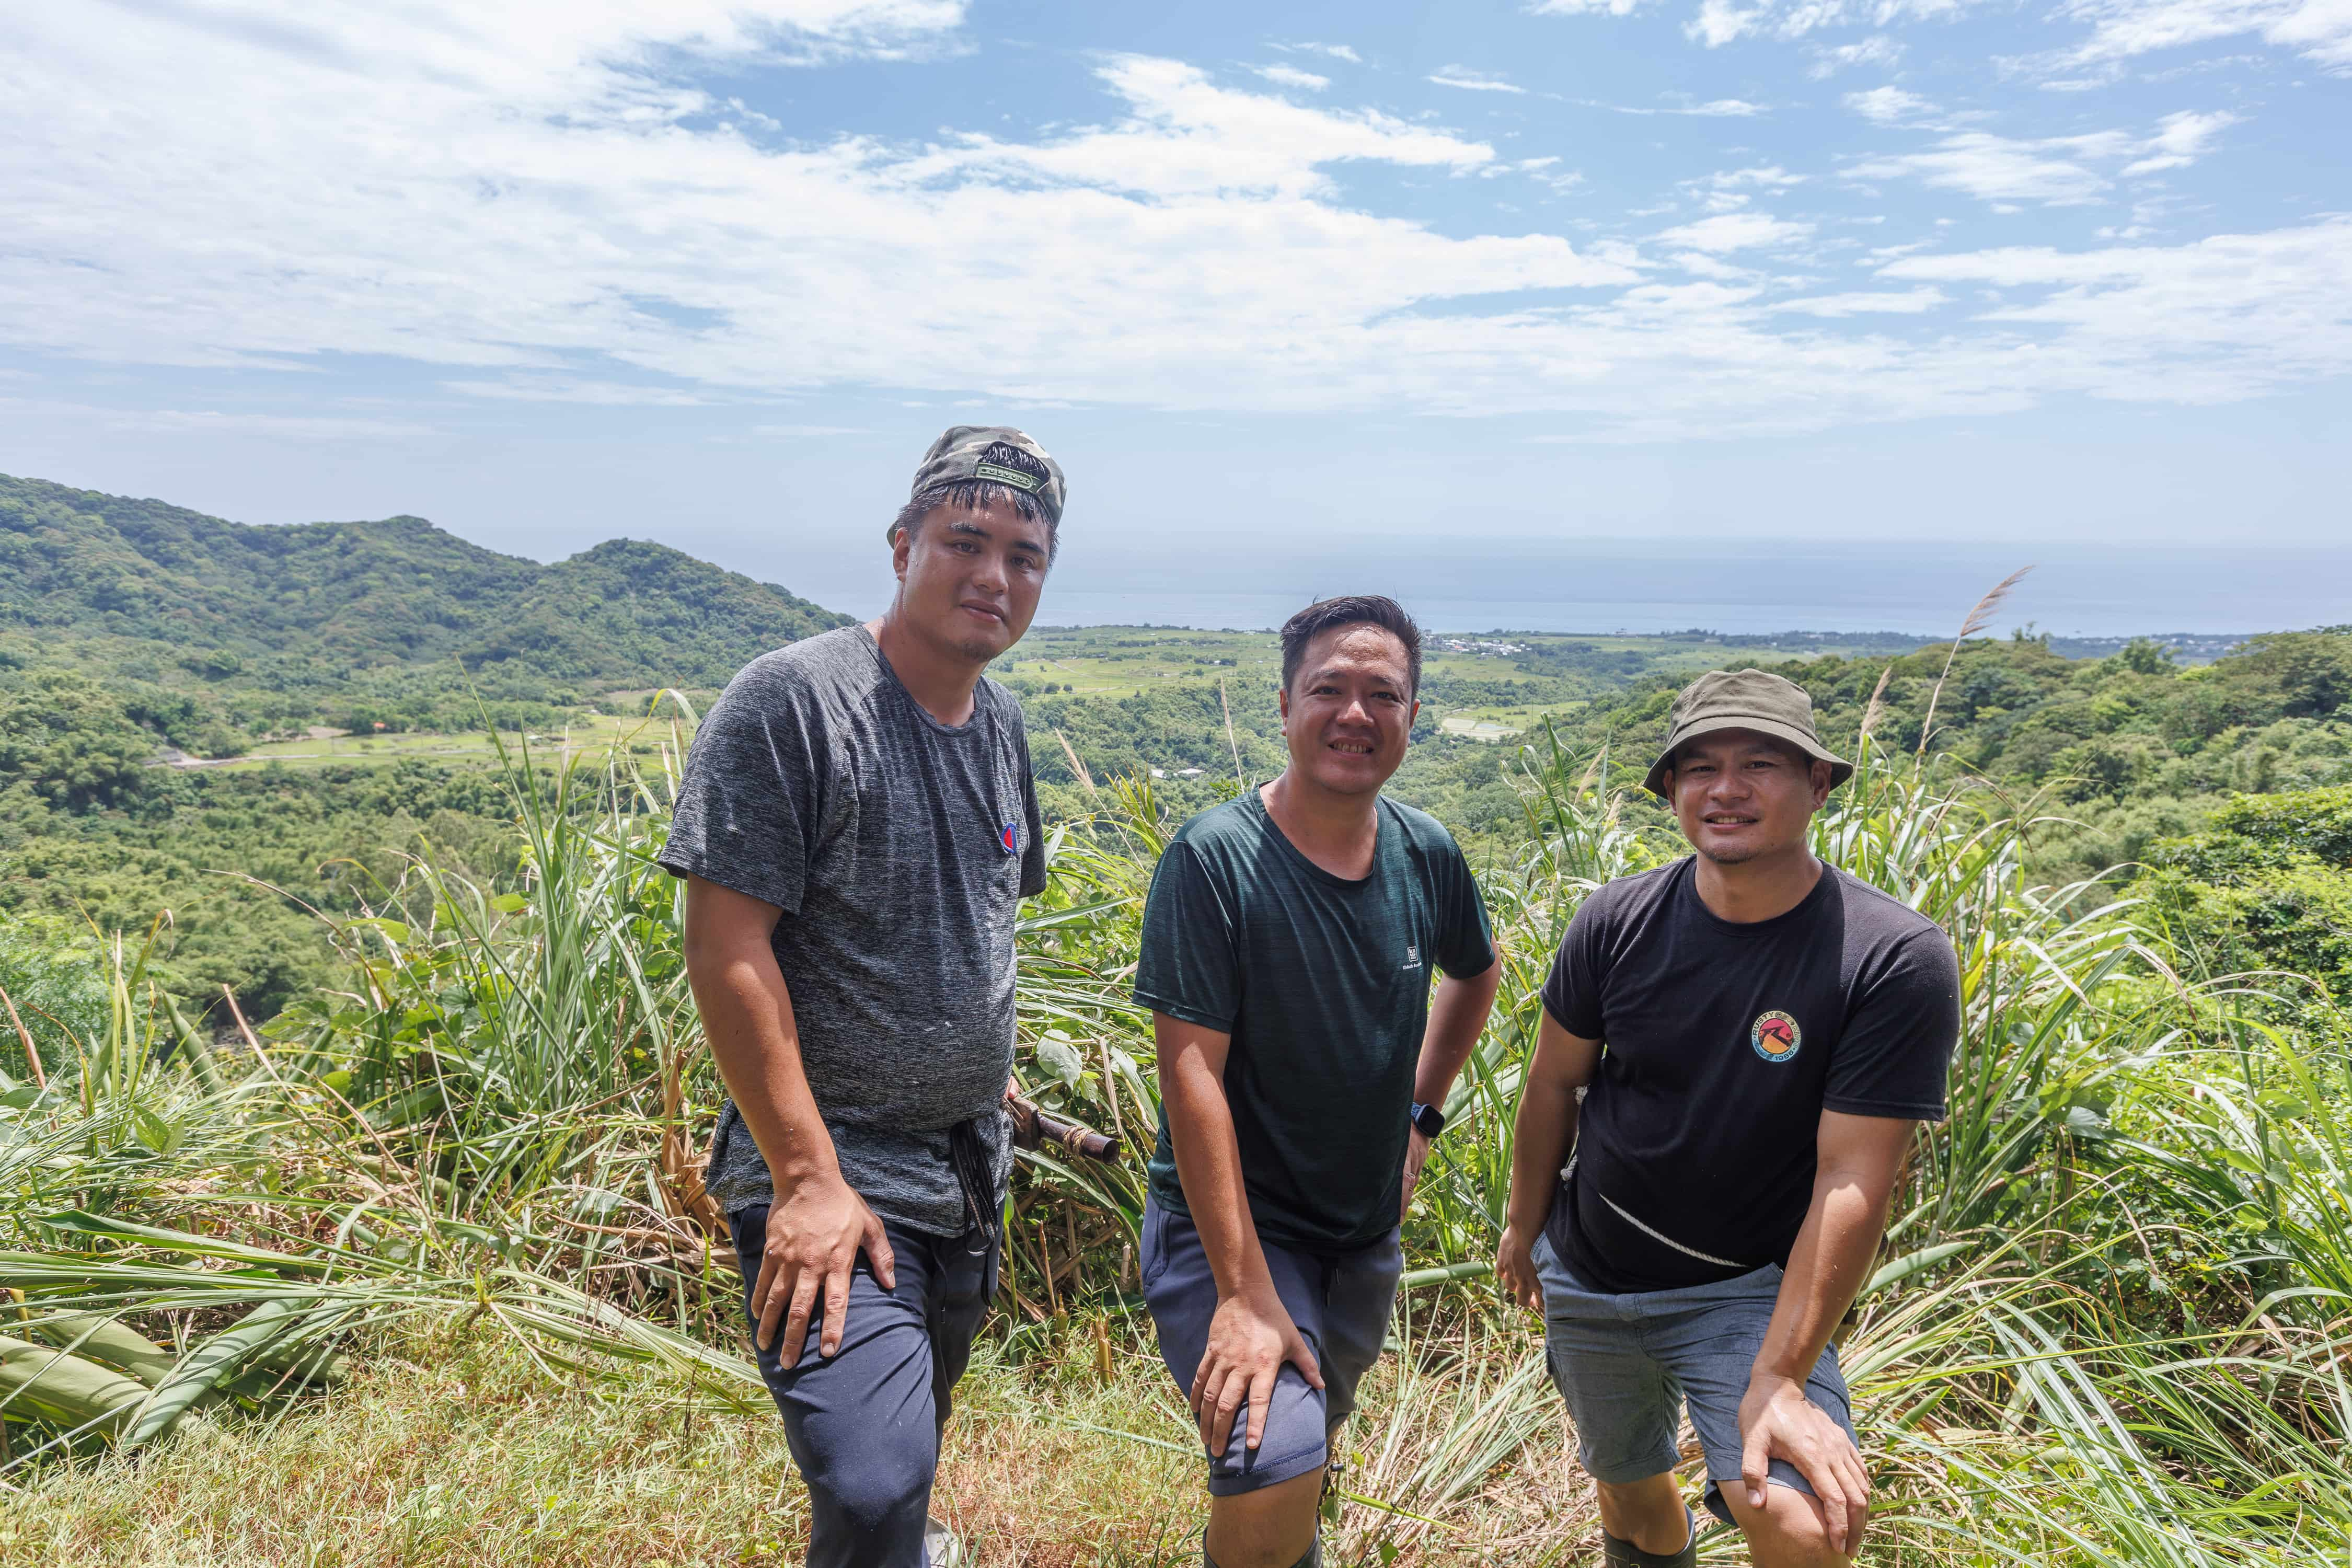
[[816, 1229], [1249, 1339]]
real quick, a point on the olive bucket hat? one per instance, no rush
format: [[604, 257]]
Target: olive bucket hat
[[1743, 699]]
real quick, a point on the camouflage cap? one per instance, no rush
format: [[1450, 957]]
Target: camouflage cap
[[956, 457], [1743, 699]]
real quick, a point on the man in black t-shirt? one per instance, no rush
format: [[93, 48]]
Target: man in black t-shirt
[[1755, 1035], [1288, 947]]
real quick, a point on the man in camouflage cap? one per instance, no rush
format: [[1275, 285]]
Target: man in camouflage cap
[[970, 454], [1774, 1031], [857, 827]]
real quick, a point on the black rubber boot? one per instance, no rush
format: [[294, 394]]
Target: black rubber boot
[[1613, 1550]]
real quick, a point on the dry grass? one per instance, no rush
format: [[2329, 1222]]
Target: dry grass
[[449, 1448], [453, 1448]]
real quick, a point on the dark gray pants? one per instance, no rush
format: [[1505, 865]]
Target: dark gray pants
[[865, 1423], [1340, 1302]]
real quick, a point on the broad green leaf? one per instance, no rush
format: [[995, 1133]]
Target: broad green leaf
[[216, 1361], [1061, 1059]]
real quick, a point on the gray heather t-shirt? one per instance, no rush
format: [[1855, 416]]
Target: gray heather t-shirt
[[899, 850]]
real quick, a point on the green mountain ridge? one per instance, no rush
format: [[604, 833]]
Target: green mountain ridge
[[394, 591]]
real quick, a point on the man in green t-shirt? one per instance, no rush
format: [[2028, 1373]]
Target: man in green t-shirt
[[1287, 951]]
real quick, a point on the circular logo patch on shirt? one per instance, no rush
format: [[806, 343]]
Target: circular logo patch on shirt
[[1776, 1036]]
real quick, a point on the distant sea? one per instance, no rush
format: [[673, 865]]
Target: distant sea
[[1603, 587]]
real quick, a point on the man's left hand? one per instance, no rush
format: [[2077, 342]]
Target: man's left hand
[[1778, 1422], [1416, 1156]]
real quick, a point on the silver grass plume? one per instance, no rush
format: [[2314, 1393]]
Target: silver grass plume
[[1979, 618]]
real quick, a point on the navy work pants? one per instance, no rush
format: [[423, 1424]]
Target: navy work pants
[[864, 1422]]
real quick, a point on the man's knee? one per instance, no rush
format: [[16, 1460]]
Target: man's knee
[[1655, 1491], [1295, 1439], [1270, 1527], [881, 1487], [1791, 1531]]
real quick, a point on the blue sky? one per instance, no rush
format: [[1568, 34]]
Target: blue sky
[[1490, 282]]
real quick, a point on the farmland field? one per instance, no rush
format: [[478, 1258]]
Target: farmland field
[[588, 736], [1456, 667]]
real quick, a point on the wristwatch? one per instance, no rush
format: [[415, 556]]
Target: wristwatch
[[1427, 1120]]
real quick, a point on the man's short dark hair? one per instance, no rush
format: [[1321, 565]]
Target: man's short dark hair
[[1350, 610], [978, 495]]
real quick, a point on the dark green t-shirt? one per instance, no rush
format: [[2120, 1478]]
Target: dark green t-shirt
[[1323, 984]]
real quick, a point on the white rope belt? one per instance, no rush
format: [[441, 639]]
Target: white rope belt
[[1655, 1234]]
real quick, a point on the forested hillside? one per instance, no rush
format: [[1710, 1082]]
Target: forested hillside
[[330, 599], [134, 635], [2118, 752]]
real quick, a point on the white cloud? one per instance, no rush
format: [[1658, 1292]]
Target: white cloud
[[314, 427], [1910, 303], [1289, 76], [540, 388], [1547, 171], [1888, 105], [2058, 171], [1995, 168], [1736, 231], [2181, 141], [521, 208], [1720, 22], [276, 426], [2231, 316], [1702, 266], [1727, 190], [2121, 29], [1878, 50], [1336, 51], [1474, 81], [1721, 108], [1584, 7], [542, 201], [1765, 178], [1186, 135], [2146, 216]]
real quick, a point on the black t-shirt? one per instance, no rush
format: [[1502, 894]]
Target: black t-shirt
[[1725, 1042], [1323, 984]]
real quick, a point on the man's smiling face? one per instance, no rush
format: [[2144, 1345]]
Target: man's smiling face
[[1740, 794], [1349, 712], [969, 580]]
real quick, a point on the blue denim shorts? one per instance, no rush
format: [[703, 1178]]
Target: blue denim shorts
[[1626, 1364], [1340, 1302]]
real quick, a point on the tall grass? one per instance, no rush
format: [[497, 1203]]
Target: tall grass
[[2109, 1325]]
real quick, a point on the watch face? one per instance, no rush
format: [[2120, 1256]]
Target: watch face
[[1429, 1120]]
